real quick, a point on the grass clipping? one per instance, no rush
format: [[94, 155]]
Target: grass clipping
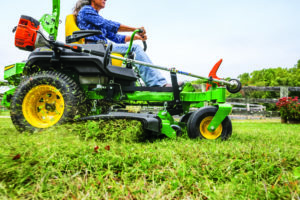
[[119, 130]]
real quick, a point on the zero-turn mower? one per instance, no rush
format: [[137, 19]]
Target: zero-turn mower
[[63, 82]]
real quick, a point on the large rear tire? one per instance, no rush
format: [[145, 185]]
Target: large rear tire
[[45, 99], [198, 123]]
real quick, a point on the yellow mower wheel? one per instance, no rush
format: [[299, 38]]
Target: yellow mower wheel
[[199, 121], [46, 99], [206, 133], [43, 106]]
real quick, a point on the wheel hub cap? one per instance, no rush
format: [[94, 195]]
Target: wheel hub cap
[[43, 106], [210, 134]]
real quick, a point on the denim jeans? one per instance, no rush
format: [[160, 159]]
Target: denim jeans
[[151, 76]]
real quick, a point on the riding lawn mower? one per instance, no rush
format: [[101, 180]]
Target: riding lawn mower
[[63, 82]]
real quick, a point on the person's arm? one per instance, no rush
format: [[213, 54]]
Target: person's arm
[[136, 37], [112, 27], [124, 28], [90, 16], [140, 36], [117, 38]]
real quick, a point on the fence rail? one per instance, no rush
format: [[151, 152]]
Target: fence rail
[[284, 92], [250, 100], [276, 89], [258, 88], [250, 106]]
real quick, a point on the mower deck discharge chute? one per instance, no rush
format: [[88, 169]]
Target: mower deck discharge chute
[[62, 82]]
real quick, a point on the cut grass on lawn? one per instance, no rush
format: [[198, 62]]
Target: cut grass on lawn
[[111, 160]]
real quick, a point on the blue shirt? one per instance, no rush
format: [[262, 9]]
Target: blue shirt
[[89, 19]]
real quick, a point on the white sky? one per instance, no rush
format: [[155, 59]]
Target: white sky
[[189, 35]]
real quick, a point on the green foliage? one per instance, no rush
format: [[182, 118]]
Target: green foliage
[[3, 83], [260, 161], [298, 64], [244, 78], [273, 77]]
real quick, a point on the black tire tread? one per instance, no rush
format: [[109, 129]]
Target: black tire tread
[[195, 120], [74, 98]]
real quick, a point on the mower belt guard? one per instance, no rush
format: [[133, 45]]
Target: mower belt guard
[[26, 33]]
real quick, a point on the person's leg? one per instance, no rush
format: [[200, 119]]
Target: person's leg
[[152, 77]]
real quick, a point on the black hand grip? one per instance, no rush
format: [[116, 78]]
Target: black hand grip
[[14, 29], [145, 45], [144, 42]]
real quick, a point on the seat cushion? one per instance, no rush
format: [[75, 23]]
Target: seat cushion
[[71, 26]]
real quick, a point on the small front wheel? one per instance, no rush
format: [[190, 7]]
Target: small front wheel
[[199, 121]]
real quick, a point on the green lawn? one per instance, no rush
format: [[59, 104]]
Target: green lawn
[[260, 161], [4, 113]]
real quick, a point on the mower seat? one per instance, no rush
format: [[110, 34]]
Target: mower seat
[[71, 26]]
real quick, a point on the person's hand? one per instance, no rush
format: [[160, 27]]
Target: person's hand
[[144, 31], [138, 37]]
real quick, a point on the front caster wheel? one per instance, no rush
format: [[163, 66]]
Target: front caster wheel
[[199, 121]]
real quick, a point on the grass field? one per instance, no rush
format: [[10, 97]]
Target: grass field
[[260, 161], [4, 113]]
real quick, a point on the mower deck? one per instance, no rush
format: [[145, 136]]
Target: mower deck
[[149, 121]]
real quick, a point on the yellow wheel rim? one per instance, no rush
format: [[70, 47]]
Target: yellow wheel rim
[[43, 106], [206, 133]]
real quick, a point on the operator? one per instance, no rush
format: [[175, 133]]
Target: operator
[[87, 16]]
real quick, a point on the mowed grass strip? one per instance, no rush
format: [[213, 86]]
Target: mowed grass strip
[[260, 161]]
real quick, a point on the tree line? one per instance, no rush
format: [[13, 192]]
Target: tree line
[[273, 77]]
